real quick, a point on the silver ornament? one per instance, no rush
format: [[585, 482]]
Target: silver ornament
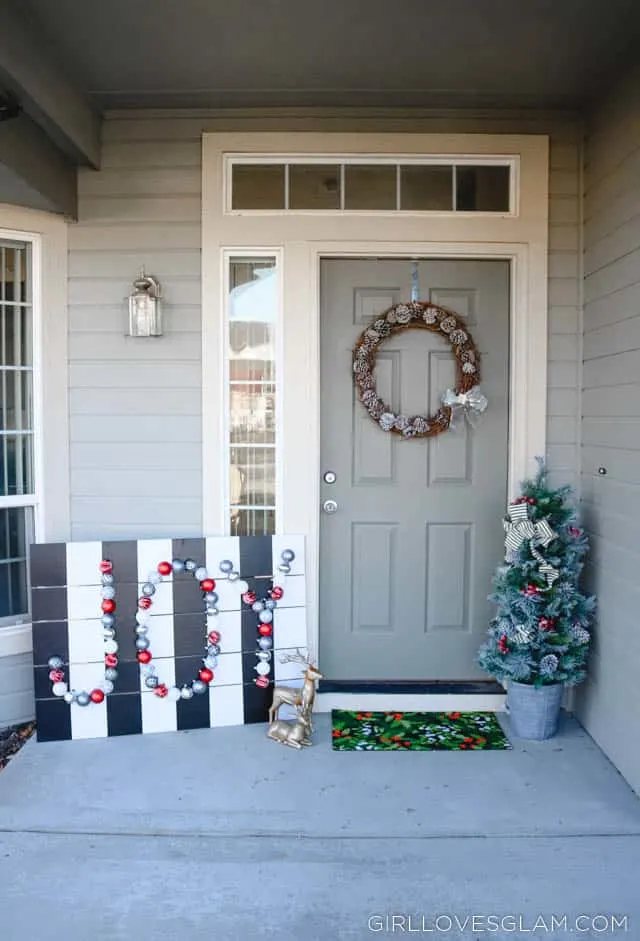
[[284, 567], [265, 643], [212, 597], [154, 577], [108, 579], [151, 682], [257, 606], [270, 604], [59, 689], [70, 696], [210, 662], [55, 663], [190, 566], [110, 674], [174, 694], [226, 566], [234, 576], [108, 592], [107, 687], [142, 629], [264, 655], [108, 620], [108, 633], [242, 586], [148, 589], [288, 555], [110, 646], [201, 573], [265, 617], [199, 687], [213, 650], [212, 610], [177, 565], [142, 616], [83, 698], [149, 669], [142, 643], [186, 692]]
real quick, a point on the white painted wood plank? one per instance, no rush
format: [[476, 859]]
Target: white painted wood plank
[[123, 509], [612, 370], [611, 309], [564, 320], [114, 318], [91, 291], [563, 348], [622, 273], [615, 338], [611, 401], [126, 264], [134, 375], [145, 455], [136, 483], [158, 401], [106, 348], [125, 429]]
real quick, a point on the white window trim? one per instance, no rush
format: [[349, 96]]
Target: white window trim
[[521, 239], [47, 234], [426, 160]]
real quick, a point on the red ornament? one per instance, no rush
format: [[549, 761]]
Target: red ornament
[[144, 603], [502, 644], [96, 695], [546, 624], [206, 675], [161, 690], [207, 584], [108, 605], [276, 593], [249, 597], [262, 682], [531, 501], [143, 656], [574, 531], [165, 568], [265, 630], [106, 566], [56, 676], [214, 637], [531, 590], [111, 660]]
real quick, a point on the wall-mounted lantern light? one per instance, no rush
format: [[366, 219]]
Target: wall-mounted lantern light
[[145, 314]]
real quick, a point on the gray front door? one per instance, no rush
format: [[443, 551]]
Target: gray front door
[[406, 560]]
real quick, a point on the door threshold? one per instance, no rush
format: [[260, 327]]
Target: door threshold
[[411, 696]]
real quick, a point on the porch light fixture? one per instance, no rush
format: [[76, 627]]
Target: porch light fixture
[[145, 314]]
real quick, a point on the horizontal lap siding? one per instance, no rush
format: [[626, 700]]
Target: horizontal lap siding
[[609, 703], [135, 404], [16, 689]]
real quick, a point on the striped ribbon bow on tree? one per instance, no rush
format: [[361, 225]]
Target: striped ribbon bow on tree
[[519, 528]]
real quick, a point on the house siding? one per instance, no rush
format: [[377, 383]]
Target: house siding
[[609, 703], [16, 689], [135, 411]]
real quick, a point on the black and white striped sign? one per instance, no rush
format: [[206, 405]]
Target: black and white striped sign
[[66, 614]]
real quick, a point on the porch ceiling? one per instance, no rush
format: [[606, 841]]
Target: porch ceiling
[[245, 53]]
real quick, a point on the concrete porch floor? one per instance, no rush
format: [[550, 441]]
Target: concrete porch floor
[[223, 834]]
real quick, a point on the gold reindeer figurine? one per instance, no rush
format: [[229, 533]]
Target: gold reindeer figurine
[[292, 732], [302, 698]]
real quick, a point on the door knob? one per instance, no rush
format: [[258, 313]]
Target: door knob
[[329, 506]]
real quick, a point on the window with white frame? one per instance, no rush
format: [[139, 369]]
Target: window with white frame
[[252, 316], [474, 184], [17, 490]]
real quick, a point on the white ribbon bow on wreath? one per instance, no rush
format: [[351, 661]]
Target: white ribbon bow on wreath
[[519, 528], [469, 405]]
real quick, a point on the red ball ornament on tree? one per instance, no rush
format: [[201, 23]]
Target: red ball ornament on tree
[[96, 695], [249, 597], [207, 584], [111, 660], [161, 690], [108, 605], [205, 675], [546, 624], [214, 637], [165, 568], [106, 567], [143, 656], [276, 593], [262, 682], [265, 630], [144, 603], [531, 501]]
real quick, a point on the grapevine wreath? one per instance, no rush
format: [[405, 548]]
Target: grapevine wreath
[[465, 401]]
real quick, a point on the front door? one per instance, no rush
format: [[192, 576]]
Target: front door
[[407, 557]]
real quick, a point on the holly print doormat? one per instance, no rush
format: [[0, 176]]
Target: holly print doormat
[[416, 731]]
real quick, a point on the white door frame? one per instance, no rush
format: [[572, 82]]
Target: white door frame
[[302, 241]]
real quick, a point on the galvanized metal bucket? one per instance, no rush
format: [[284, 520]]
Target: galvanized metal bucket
[[534, 711]]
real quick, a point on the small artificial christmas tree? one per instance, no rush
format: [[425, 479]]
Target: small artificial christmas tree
[[540, 635]]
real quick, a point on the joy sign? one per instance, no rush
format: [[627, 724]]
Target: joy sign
[[160, 634]]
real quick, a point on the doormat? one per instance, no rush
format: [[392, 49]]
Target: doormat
[[416, 731]]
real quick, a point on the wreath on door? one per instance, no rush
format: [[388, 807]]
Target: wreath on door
[[464, 403]]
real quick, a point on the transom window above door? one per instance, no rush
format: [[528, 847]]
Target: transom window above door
[[318, 184]]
